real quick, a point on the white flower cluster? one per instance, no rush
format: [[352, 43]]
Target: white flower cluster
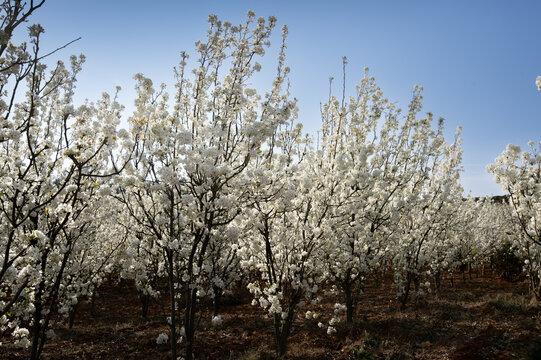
[[162, 339], [217, 321]]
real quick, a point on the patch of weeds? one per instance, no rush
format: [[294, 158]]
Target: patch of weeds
[[508, 305], [361, 354], [372, 343], [366, 350]]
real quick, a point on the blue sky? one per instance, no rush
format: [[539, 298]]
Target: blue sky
[[477, 60]]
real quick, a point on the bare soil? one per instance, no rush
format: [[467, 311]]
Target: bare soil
[[479, 318]]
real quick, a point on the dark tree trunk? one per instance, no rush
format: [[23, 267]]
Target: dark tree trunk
[[145, 300], [535, 285], [217, 300], [416, 288], [73, 312], [40, 325], [189, 323], [404, 298], [93, 304], [36, 330], [350, 302], [437, 281], [282, 330], [171, 283]]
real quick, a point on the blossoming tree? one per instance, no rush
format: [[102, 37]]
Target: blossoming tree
[[432, 168], [519, 174], [55, 159], [186, 177]]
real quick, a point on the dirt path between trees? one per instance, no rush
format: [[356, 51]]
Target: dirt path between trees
[[481, 318]]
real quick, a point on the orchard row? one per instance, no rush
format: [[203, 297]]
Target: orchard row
[[216, 182]]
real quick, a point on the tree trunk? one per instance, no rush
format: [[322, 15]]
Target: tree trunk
[[52, 301], [217, 300], [171, 283], [405, 295], [282, 329], [145, 300], [416, 288], [189, 323], [72, 314], [93, 304], [437, 280], [36, 330], [350, 302], [535, 285]]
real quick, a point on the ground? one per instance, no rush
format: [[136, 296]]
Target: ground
[[480, 318]]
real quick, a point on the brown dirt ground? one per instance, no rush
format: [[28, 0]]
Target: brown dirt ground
[[481, 318]]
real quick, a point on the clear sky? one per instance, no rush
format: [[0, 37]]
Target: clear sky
[[477, 60]]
